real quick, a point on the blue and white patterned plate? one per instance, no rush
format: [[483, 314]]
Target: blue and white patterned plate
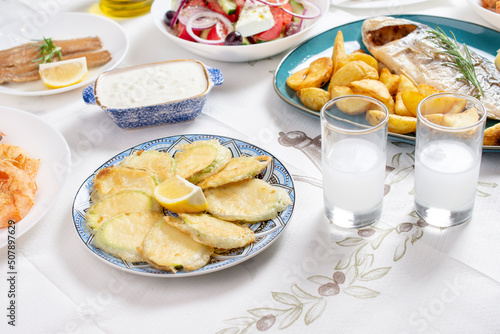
[[265, 232]]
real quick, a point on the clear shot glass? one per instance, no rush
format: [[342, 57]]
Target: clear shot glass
[[450, 130], [354, 142]]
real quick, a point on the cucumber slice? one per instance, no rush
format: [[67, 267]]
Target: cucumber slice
[[121, 235], [214, 232], [167, 248], [125, 201], [296, 8], [228, 6]]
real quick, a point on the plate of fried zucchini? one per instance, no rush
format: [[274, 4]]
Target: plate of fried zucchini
[[250, 200]]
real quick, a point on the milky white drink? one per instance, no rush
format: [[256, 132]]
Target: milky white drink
[[353, 180], [446, 176], [152, 84]]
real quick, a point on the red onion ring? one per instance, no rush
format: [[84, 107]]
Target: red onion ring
[[204, 22], [273, 4], [174, 19], [307, 5], [224, 20]]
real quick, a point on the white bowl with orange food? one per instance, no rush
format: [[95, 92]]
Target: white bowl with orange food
[[288, 30]]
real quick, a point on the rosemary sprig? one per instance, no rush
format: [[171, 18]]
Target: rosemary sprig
[[461, 56], [47, 51]]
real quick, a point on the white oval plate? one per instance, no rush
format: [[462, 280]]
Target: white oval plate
[[64, 26], [44, 142], [369, 4], [265, 232], [490, 16]]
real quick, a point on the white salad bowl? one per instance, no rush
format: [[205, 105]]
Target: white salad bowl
[[237, 53]]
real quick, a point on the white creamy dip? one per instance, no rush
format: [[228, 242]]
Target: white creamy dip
[[151, 84]]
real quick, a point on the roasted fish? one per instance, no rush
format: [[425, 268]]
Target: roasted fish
[[404, 47]]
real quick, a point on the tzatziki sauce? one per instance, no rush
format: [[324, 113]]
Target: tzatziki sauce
[[151, 84]]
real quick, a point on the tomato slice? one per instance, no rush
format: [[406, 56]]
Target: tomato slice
[[287, 17], [218, 31], [182, 32], [214, 5], [275, 31], [194, 3]]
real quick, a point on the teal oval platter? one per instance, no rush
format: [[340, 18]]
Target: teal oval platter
[[475, 36]]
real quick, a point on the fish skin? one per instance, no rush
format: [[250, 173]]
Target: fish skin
[[29, 71], [27, 52], [418, 58]]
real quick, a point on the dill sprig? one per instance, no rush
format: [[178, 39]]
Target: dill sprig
[[47, 51], [461, 56]]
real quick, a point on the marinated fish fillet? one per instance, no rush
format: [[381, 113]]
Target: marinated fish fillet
[[27, 52], [29, 71], [402, 45]]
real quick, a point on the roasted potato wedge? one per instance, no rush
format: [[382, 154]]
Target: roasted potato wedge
[[427, 89], [399, 106], [391, 81], [397, 124], [443, 105], [368, 59], [295, 80], [435, 118], [468, 117], [313, 97], [339, 57], [320, 71], [411, 99], [348, 107], [406, 84], [375, 89], [374, 117], [492, 135], [353, 71]]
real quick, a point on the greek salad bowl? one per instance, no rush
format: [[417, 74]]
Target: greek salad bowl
[[154, 94], [293, 19]]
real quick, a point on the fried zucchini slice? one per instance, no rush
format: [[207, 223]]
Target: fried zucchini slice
[[167, 248], [214, 232], [114, 179], [200, 159], [125, 201], [159, 164], [238, 169], [249, 201], [121, 235]]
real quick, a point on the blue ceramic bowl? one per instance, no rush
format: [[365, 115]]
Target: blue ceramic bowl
[[171, 111]]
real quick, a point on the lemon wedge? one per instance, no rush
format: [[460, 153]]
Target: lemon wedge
[[63, 73], [180, 196], [497, 60]]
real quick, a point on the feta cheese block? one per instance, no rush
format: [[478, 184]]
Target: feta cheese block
[[255, 17]]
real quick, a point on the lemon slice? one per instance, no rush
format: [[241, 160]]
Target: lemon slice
[[63, 73], [497, 60], [180, 196]]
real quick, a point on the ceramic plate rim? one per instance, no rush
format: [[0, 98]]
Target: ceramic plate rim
[[114, 30], [37, 212], [416, 17], [78, 220]]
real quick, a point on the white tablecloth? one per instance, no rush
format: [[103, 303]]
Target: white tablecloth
[[399, 277]]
